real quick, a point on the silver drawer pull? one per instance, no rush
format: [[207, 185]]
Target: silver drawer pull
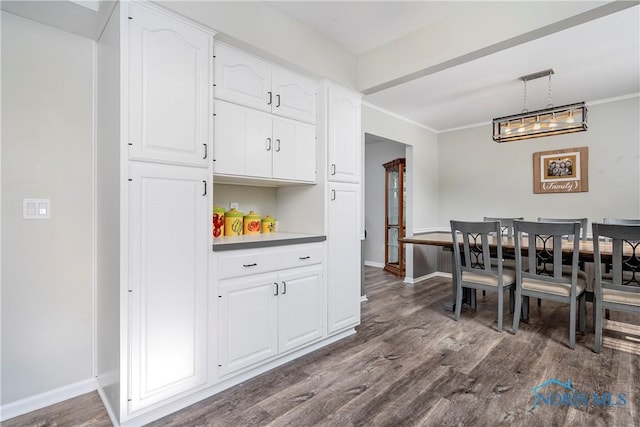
[[304, 257], [249, 265]]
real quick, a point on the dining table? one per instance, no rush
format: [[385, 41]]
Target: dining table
[[444, 240]]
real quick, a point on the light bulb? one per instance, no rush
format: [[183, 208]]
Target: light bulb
[[536, 125], [507, 128], [570, 117], [552, 122]]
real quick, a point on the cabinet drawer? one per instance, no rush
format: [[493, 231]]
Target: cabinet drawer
[[242, 263], [254, 261], [298, 256]]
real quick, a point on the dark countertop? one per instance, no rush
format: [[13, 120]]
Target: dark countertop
[[264, 240]]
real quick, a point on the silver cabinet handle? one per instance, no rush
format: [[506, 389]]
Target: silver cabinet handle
[[333, 194], [270, 98], [277, 100], [268, 144], [277, 145], [250, 265], [333, 168], [284, 291], [205, 187], [276, 292], [205, 151], [304, 257]]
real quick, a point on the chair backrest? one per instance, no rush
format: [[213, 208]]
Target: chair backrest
[[471, 246], [506, 224], [622, 247], [583, 224], [619, 221], [543, 248]]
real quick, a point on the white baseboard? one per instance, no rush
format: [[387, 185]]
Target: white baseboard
[[374, 264], [412, 280], [39, 401]]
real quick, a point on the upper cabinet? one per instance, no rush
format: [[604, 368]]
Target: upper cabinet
[[250, 143], [344, 139], [170, 88], [246, 80]]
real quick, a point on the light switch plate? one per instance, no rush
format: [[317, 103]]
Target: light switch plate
[[36, 208]]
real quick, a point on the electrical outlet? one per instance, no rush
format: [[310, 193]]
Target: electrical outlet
[[233, 205]]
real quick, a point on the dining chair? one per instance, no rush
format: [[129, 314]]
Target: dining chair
[[619, 221], [477, 265], [506, 224], [544, 277], [583, 224], [618, 289]]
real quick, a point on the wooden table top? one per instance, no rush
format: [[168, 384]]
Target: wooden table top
[[444, 239]]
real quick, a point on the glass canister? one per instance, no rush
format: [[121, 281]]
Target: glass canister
[[252, 223], [218, 221], [233, 222], [268, 224]]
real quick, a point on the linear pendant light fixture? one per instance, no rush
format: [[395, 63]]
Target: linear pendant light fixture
[[546, 122]]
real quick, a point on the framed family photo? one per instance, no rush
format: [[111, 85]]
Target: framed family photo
[[561, 171]]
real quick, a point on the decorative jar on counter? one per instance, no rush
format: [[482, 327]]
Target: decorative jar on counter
[[233, 222], [268, 224], [218, 221], [252, 223]]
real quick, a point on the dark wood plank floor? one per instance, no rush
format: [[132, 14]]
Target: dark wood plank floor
[[411, 364]]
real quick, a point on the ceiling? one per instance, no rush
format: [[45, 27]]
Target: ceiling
[[594, 60]]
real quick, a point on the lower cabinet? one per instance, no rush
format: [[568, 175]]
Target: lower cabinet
[[343, 253], [267, 314], [168, 259]]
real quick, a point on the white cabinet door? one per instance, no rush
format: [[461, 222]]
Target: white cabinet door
[[229, 137], [259, 144], [284, 149], [305, 161], [168, 255], [299, 307], [294, 96], [248, 321], [170, 117], [243, 142], [343, 263], [242, 78], [344, 138]]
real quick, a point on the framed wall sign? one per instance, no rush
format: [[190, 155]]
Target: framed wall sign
[[561, 171]]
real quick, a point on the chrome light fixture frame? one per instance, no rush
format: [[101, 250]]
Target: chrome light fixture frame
[[546, 122]]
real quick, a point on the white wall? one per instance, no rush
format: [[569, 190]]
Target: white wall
[[479, 177], [47, 143], [376, 154], [422, 170]]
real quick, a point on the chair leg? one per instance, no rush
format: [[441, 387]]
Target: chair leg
[[597, 314], [484, 293], [512, 300], [572, 324], [582, 313], [474, 298], [539, 302], [500, 308], [525, 309], [516, 311], [607, 313], [458, 301]]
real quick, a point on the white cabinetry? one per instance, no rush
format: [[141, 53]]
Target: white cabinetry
[[168, 258], [244, 79], [154, 128], [170, 88], [272, 303], [343, 252], [255, 144], [344, 139]]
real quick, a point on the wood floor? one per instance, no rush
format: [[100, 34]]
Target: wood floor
[[411, 364]]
